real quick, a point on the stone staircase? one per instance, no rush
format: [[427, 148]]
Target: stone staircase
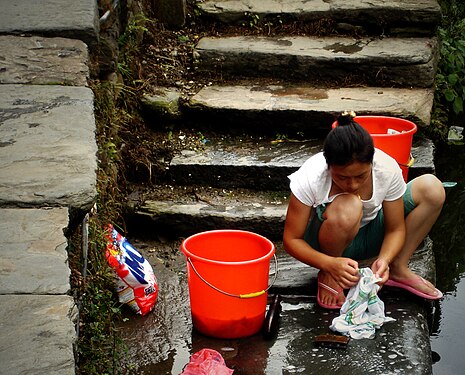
[[258, 132], [48, 154], [47, 173]]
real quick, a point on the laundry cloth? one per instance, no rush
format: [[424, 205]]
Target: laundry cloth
[[363, 311]]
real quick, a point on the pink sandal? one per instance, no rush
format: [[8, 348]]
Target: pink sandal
[[329, 289], [409, 284]]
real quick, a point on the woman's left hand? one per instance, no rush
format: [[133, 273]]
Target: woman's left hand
[[380, 268]]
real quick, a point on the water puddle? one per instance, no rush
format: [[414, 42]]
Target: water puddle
[[344, 48], [449, 245]]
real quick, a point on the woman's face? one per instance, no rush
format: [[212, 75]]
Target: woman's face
[[351, 177]]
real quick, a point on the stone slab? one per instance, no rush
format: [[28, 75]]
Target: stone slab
[[36, 335], [62, 18], [261, 163], [306, 7], [404, 15], [174, 220], [400, 347], [303, 108], [423, 151], [404, 62], [43, 61], [47, 146], [164, 103], [33, 257]]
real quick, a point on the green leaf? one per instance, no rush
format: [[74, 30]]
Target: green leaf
[[183, 38], [453, 78], [458, 105], [450, 95]]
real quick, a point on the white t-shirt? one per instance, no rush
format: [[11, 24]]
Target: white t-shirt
[[311, 183]]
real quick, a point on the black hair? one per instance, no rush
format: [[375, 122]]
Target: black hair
[[348, 142]]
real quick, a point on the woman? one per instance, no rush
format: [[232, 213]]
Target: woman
[[350, 203]]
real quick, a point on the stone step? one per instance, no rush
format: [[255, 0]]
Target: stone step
[[259, 163], [64, 18], [48, 148], [37, 315], [377, 61], [37, 334], [206, 193], [43, 61], [301, 109], [33, 252], [382, 16], [174, 211]]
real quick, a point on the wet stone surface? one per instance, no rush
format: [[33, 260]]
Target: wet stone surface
[[422, 14], [163, 341], [264, 164], [43, 61], [47, 146], [404, 62]]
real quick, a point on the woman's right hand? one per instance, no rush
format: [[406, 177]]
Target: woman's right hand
[[344, 271]]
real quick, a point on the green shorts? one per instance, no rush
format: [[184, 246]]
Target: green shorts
[[369, 239]]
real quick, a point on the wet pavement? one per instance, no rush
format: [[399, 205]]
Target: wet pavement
[[162, 341]]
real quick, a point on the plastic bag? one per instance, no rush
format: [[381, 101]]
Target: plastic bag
[[135, 281], [206, 362]]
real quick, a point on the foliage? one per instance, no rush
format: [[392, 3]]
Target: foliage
[[129, 43], [99, 344], [450, 78]]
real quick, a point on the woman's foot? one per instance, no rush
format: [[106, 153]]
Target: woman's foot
[[330, 295], [415, 284]]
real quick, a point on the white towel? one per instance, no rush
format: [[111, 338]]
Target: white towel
[[362, 312]]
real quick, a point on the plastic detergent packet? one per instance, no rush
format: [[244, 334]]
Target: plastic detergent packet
[[135, 281], [207, 362]]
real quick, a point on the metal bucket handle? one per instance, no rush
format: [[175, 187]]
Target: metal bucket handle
[[242, 296]]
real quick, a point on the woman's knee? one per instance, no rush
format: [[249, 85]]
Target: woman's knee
[[345, 213], [428, 189]]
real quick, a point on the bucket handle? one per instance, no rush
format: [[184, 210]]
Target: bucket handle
[[410, 162], [242, 296]]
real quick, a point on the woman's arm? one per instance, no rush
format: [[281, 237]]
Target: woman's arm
[[298, 215], [297, 218], [394, 237]]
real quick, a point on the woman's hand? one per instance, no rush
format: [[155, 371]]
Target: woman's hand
[[343, 270], [380, 268]]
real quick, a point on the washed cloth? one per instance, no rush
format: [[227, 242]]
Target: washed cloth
[[363, 311]]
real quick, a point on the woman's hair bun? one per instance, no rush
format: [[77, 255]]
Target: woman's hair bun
[[346, 118]]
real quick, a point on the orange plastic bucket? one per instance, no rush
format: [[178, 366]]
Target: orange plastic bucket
[[392, 135], [227, 274]]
